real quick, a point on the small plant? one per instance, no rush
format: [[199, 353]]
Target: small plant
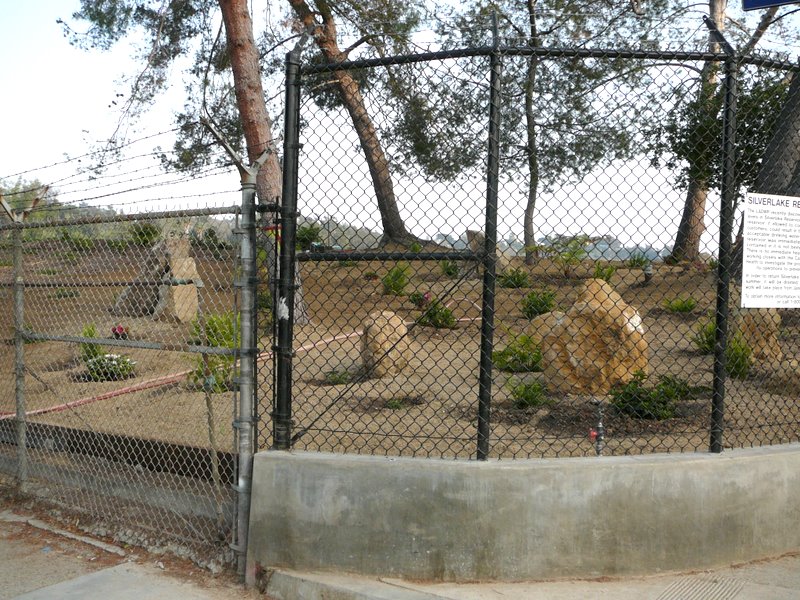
[[705, 335], [370, 276], [338, 377], [604, 272], [117, 245], [521, 355], [637, 261], [449, 268], [681, 305], [77, 242], [110, 367], [143, 233], [538, 302], [529, 395], [657, 403], [513, 278], [61, 294], [215, 372], [395, 403], [437, 315], [346, 263], [415, 247], [569, 253], [49, 272], [738, 357], [638, 401], [308, 235], [90, 350], [420, 300], [396, 280]]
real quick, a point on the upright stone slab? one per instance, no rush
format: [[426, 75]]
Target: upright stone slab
[[166, 286], [599, 343], [385, 347]]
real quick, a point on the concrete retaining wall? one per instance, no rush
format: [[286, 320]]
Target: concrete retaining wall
[[522, 519]]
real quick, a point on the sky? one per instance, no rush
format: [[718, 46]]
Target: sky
[[57, 102]]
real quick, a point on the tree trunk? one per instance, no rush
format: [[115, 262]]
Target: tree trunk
[[690, 230], [257, 128], [256, 123], [692, 225], [529, 236], [325, 37]]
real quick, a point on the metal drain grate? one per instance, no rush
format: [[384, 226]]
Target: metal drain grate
[[696, 588]]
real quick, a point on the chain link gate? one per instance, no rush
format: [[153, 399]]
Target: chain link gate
[[588, 328], [124, 343]]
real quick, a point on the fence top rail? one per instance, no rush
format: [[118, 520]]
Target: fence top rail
[[102, 219], [547, 52]]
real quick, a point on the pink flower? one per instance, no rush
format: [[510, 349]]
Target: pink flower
[[119, 332]]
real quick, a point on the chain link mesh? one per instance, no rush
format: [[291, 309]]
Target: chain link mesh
[[605, 310], [130, 345]]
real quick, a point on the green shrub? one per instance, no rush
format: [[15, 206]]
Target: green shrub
[[513, 278], [90, 350], [681, 305], [738, 357], [705, 335], [604, 272], [117, 245], [569, 252], [521, 355], [396, 280], [110, 367], [449, 268], [218, 248], [419, 299], [338, 377], [637, 261], [415, 247], [215, 372], [60, 294], [307, 235], [653, 403], [437, 315], [76, 241], [395, 403], [529, 395], [538, 302], [143, 233]]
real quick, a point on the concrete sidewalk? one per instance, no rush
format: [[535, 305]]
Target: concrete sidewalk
[[777, 579], [38, 562]]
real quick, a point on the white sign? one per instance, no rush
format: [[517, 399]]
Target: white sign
[[771, 262]]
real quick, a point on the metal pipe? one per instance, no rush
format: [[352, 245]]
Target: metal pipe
[[245, 421], [489, 257], [282, 414], [100, 219], [728, 193], [19, 362]]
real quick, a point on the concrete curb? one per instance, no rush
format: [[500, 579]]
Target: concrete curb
[[284, 584]]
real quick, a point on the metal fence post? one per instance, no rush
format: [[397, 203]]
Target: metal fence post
[[282, 415], [489, 257], [728, 196], [247, 350], [19, 360]]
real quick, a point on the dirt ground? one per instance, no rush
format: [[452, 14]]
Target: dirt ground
[[429, 411]]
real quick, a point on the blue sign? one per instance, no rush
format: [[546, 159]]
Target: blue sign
[[756, 4]]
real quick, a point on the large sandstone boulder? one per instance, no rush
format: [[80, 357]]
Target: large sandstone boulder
[[385, 347], [760, 328], [544, 324], [599, 343], [166, 286]]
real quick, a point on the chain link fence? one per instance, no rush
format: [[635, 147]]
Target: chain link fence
[[520, 252], [121, 345]]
